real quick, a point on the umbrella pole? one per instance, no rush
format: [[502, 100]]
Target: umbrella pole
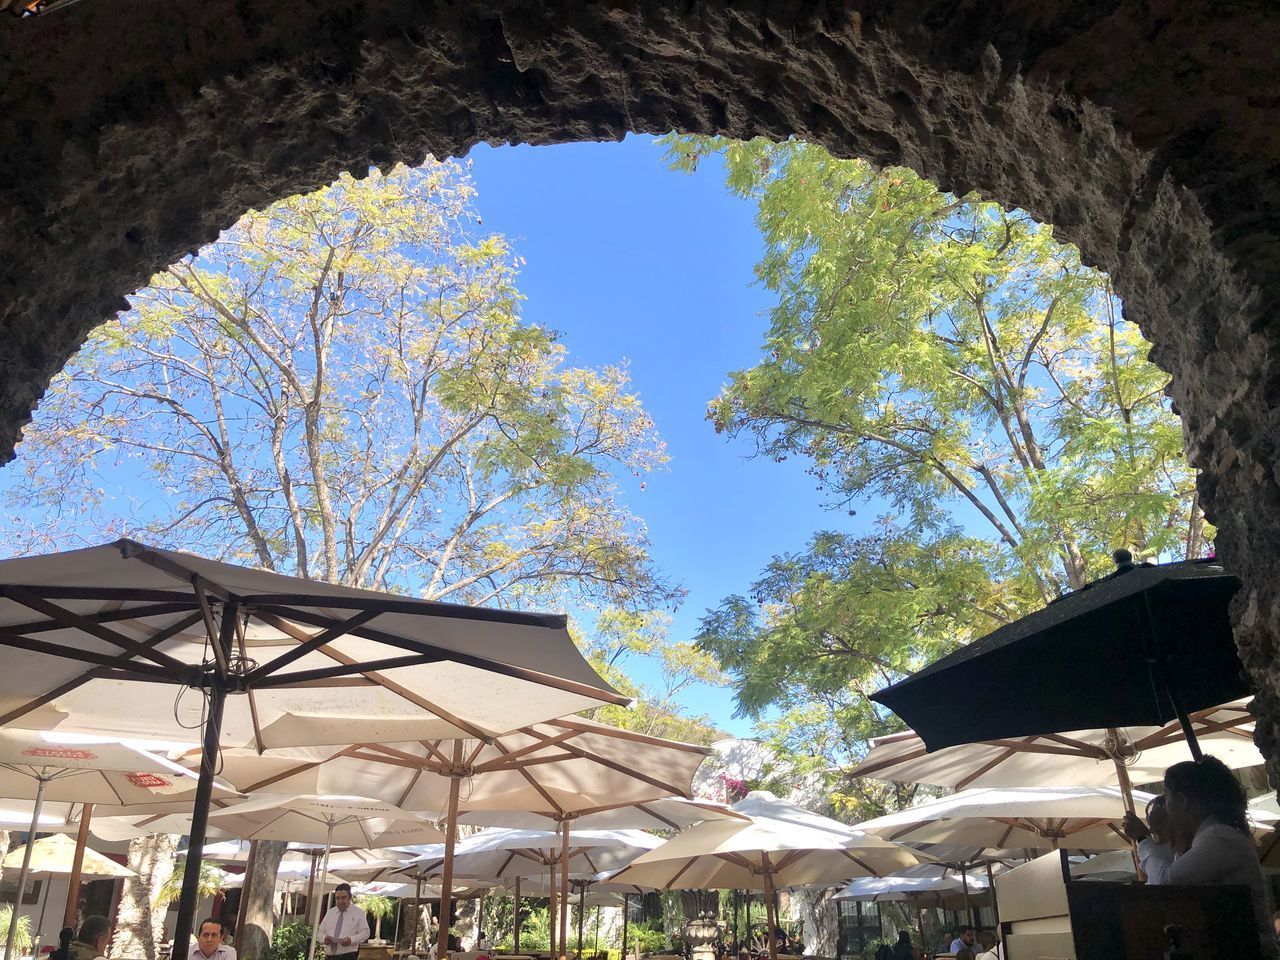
[[968, 908], [770, 917], [515, 939], [991, 885], [582, 911], [597, 933], [413, 920], [626, 922], [1162, 675], [735, 922], [553, 906], [446, 873], [44, 902], [77, 864], [217, 692], [564, 889], [26, 865], [920, 925], [324, 874]]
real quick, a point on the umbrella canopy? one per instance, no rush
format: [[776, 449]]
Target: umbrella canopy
[[551, 770], [92, 771], [177, 638], [56, 854], [667, 813], [1141, 648], [500, 853], [1075, 818], [317, 656], [928, 881], [1080, 758], [780, 840], [331, 820], [1114, 865]]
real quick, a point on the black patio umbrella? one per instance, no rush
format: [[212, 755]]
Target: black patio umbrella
[[1141, 647]]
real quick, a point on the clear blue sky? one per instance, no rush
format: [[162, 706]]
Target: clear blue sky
[[631, 260]]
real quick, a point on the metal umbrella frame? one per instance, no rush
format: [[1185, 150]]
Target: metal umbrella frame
[[127, 622]]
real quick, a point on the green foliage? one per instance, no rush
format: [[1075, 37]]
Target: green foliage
[[22, 935], [289, 942], [646, 937], [342, 386], [950, 357], [376, 905], [210, 881]]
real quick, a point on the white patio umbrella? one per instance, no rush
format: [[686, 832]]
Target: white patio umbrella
[[1112, 865], [929, 884], [781, 844], [349, 821], [41, 766], [173, 635], [557, 771], [61, 855], [1083, 758], [1075, 818], [500, 854]]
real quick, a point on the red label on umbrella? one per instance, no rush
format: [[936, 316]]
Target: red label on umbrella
[[60, 753], [148, 780]]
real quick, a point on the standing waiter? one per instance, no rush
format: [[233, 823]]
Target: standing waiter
[[343, 928]]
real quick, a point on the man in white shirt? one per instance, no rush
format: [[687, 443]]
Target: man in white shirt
[[209, 945], [965, 940], [344, 927]]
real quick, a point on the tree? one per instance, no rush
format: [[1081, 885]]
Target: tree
[[140, 917], [342, 387], [947, 357], [211, 880]]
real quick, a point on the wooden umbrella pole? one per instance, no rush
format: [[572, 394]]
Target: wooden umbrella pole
[[564, 889], [968, 909], [446, 874], [77, 864], [413, 920], [626, 922], [991, 885], [480, 919], [311, 879], [553, 907], [515, 940], [920, 926], [582, 911], [770, 918]]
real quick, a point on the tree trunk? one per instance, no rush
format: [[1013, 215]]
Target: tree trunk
[[4, 851], [253, 942], [818, 913], [140, 920]]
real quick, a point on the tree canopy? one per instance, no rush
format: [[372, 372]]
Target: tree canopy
[[950, 359]]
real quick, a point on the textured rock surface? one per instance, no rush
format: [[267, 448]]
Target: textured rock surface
[[1145, 130]]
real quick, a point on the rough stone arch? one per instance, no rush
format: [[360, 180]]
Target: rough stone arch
[[131, 133]]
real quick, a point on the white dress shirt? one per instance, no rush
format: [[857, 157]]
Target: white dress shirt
[[1221, 855], [340, 924]]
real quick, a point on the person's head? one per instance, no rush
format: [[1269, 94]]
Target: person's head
[[987, 939], [65, 936], [209, 935], [342, 896], [1196, 789], [964, 953], [966, 934], [904, 937], [94, 932]]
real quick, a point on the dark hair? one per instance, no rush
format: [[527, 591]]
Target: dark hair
[[1208, 783], [964, 953], [210, 920], [341, 887], [65, 936], [903, 936], [94, 926]]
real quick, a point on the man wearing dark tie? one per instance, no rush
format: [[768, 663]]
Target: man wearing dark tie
[[344, 927]]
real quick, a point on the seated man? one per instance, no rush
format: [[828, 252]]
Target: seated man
[[209, 945], [963, 942]]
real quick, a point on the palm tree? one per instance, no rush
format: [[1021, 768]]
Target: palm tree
[[211, 881], [376, 906], [22, 938]]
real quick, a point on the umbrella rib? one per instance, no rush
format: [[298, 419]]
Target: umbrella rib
[[117, 662], [652, 813], [367, 668], [103, 616], [253, 702], [622, 768], [871, 769], [86, 625], [215, 636], [618, 733], [323, 638], [532, 781], [433, 747], [288, 628], [680, 873], [986, 768], [456, 656], [861, 863], [542, 743], [285, 774], [413, 782]]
